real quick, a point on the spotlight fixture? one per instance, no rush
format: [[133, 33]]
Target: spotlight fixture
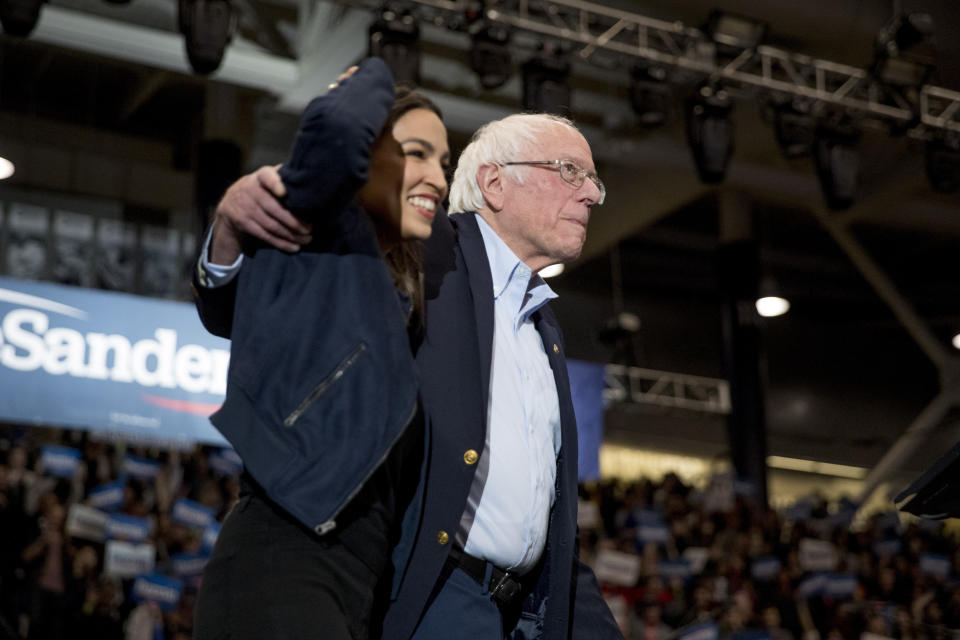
[[770, 303], [942, 161], [395, 37], [837, 160], [545, 87], [489, 54], [710, 131], [956, 341], [794, 128], [905, 51], [6, 168], [208, 26], [733, 32], [19, 17], [650, 95]]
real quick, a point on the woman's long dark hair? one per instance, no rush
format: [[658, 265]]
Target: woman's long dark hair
[[405, 259]]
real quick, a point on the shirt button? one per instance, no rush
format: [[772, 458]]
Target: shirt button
[[443, 537], [470, 456]]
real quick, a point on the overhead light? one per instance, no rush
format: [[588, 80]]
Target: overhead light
[[770, 302], [489, 54], [733, 33], [545, 87], [956, 341], [395, 37], [905, 51], [710, 131], [6, 168], [552, 270], [650, 96], [207, 26], [820, 468], [942, 162], [794, 128], [837, 160], [19, 17]]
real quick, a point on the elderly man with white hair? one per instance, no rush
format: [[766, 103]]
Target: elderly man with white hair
[[489, 547]]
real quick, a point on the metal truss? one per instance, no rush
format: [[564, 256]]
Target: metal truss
[[664, 389], [593, 29]]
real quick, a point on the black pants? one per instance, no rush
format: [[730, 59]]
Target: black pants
[[271, 577]]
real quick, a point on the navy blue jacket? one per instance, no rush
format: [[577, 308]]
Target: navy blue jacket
[[322, 380]]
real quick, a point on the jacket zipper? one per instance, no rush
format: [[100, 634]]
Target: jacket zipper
[[331, 523], [325, 384]]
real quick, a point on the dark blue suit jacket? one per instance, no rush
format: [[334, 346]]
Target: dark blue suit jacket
[[454, 360]]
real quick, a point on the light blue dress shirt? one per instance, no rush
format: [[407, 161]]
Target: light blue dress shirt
[[523, 420]]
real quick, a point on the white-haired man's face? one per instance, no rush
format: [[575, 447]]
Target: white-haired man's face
[[544, 220]]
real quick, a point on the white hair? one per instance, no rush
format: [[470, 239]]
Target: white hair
[[510, 139]]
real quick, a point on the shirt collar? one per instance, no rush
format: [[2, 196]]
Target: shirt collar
[[505, 266]]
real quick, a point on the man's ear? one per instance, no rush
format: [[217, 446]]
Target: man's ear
[[490, 180]]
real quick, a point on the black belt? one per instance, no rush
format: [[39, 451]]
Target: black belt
[[504, 587]]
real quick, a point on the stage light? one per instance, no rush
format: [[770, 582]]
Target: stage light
[[710, 131], [650, 96], [905, 51], [489, 54], [793, 127], [395, 37], [208, 26], [6, 168], [956, 341], [942, 161], [545, 87], [770, 302], [837, 160], [19, 17], [732, 33]]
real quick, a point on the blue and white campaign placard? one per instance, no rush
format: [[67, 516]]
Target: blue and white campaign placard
[[120, 526], [58, 461], [675, 569], [817, 555], [813, 586], [765, 569], [840, 585], [935, 565], [210, 535], [617, 568], [107, 361], [653, 533], [186, 565], [107, 497], [85, 522], [226, 462], [704, 631], [127, 560], [140, 468], [192, 514], [162, 590]]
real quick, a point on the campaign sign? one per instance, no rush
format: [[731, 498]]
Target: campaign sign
[[935, 565], [140, 467], [617, 568], [705, 631], [813, 586], [107, 497], [162, 590], [658, 534], [675, 569], [108, 362], [210, 535], [840, 585], [59, 461], [123, 527], [192, 514], [85, 522], [765, 569], [817, 555], [126, 560], [189, 564], [226, 462]]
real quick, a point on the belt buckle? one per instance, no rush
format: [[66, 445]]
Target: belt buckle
[[505, 590]]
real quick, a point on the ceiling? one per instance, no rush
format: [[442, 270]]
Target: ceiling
[[106, 83]]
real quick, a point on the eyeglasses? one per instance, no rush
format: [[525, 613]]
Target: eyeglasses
[[570, 171]]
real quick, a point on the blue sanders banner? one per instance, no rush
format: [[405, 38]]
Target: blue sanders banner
[[104, 361]]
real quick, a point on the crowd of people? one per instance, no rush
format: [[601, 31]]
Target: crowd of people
[[674, 560], [677, 562]]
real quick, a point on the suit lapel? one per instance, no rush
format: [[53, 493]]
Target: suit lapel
[[481, 287]]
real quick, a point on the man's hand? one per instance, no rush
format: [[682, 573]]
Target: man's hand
[[251, 207]]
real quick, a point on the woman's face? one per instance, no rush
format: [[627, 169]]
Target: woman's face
[[423, 139]]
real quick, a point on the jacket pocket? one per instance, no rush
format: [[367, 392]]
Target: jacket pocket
[[325, 384]]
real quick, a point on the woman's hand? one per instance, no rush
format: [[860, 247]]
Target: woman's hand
[[251, 207]]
